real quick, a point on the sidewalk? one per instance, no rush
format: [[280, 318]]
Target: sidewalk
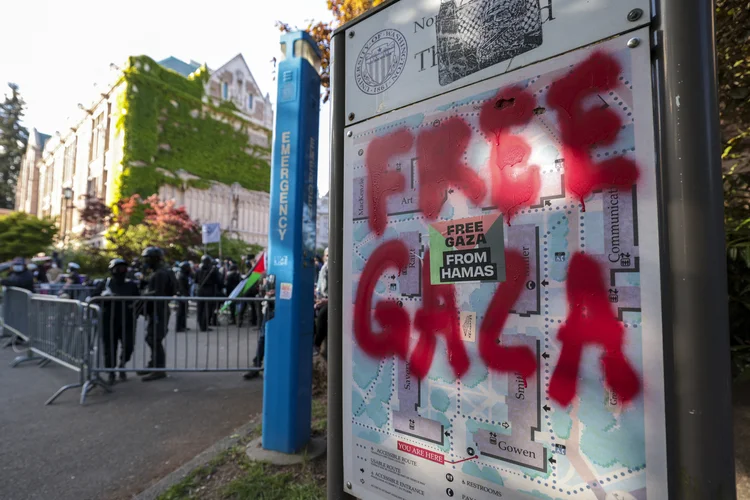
[[119, 443]]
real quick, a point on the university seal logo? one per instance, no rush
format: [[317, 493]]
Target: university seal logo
[[381, 61]]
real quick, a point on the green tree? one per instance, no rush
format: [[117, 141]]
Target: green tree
[[233, 248], [13, 140], [23, 235], [137, 224]]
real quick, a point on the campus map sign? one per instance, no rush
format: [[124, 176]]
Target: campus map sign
[[502, 324]]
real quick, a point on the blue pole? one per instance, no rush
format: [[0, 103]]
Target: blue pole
[[287, 383]]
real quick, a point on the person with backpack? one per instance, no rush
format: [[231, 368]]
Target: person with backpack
[[209, 284], [161, 283], [118, 316]]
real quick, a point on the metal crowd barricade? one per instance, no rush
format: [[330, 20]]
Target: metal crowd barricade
[[16, 320], [3, 332], [16, 311], [146, 335], [59, 332]]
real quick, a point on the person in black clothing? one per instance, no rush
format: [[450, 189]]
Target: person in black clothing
[[268, 290], [233, 279], [134, 269], [162, 283], [118, 318], [41, 274], [321, 308], [208, 282], [183, 285], [20, 276]]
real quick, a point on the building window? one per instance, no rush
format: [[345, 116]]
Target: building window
[[48, 180], [98, 137], [224, 90], [250, 102], [69, 162], [106, 130]]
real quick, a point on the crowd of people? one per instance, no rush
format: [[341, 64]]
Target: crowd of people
[[146, 276], [43, 272], [150, 275]]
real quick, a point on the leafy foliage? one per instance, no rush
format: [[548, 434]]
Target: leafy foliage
[[232, 248], [94, 262], [23, 235], [733, 55], [737, 226], [13, 140], [138, 223], [169, 127], [343, 11]]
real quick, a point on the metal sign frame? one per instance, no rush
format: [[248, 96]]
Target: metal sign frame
[[695, 319]]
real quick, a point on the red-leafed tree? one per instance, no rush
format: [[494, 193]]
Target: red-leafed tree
[[139, 223]]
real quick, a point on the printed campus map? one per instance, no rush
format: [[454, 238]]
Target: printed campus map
[[490, 435]]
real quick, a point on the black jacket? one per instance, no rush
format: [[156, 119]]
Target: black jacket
[[233, 279], [24, 280], [117, 314], [183, 283], [162, 283], [208, 281]]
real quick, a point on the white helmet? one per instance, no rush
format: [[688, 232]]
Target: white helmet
[[73, 265]]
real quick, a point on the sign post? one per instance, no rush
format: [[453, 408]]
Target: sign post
[[517, 307], [287, 385], [700, 396]]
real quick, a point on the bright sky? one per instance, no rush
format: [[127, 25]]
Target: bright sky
[[56, 50]]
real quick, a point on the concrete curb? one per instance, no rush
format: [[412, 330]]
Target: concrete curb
[[156, 489]]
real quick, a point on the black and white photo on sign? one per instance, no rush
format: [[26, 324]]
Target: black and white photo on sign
[[475, 34]]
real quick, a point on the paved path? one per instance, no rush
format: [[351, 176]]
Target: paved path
[[119, 443]]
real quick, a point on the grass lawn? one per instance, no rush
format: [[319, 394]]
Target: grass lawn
[[232, 476]]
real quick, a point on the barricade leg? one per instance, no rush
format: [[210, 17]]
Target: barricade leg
[[61, 390], [88, 385], [25, 358]]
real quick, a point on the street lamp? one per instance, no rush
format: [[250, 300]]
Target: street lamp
[[68, 196]]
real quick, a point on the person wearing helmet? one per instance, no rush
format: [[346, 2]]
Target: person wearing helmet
[[74, 274], [209, 284], [183, 286], [118, 316], [162, 283], [20, 276]]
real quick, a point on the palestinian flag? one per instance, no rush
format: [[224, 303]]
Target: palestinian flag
[[252, 278]]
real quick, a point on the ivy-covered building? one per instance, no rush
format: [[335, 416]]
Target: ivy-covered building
[[198, 136]]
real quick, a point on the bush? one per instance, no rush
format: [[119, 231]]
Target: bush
[[737, 227], [93, 261], [23, 235]]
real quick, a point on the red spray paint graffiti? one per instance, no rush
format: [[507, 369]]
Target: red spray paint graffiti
[[590, 321], [583, 129], [499, 358], [395, 321], [438, 314], [382, 182], [440, 164], [511, 189]]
